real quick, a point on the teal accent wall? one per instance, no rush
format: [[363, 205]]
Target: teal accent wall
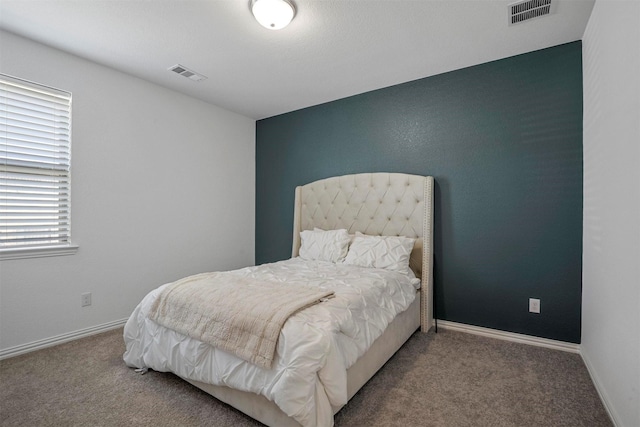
[[503, 141]]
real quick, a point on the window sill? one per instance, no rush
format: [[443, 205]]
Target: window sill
[[37, 252]]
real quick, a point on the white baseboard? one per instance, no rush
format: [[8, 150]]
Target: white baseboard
[[509, 336], [59, 339], [604, 397]]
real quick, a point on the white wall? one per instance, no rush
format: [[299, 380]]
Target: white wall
[[611, 253], [163, 186]]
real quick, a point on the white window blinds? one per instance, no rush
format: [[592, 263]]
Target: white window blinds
[[35, 124]]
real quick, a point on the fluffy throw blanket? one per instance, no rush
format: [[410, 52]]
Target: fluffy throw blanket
[[237, 314]]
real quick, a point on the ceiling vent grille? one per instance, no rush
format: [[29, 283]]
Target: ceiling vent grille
[[529, 9], [185, 72]]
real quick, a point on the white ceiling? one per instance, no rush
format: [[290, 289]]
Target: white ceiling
[[332, 49]]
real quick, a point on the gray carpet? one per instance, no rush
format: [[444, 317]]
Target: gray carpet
[[445, 379]]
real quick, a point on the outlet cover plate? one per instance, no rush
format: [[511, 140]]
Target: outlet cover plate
[[534, 305], [86, 299]]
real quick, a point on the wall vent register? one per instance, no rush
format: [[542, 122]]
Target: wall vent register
[[529, 9], [185, 72]]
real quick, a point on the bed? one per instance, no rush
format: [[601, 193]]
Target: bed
[[331, 366]]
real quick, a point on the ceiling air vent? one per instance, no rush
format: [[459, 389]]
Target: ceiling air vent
[[526, 10], [185, 72]]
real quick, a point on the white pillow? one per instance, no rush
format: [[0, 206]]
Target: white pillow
[[388, 252], [321, 245]]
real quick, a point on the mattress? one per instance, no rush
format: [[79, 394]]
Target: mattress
[[315, 348]]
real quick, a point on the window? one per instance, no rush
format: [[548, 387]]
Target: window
[[35, 154]]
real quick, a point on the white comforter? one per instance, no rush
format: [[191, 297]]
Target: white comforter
[[315, 347]]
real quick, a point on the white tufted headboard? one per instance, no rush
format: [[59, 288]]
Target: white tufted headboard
[[386, 204]]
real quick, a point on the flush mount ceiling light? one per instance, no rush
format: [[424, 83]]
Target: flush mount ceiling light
[[273, 14]]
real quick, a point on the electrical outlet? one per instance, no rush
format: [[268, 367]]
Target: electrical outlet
[[86, 299], [534, 305]]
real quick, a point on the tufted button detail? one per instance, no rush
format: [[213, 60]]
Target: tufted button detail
[[333, 198]]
